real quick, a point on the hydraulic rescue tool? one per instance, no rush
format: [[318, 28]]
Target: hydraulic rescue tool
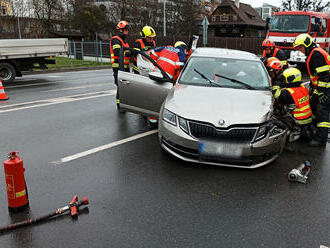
[[73, 207], [300, 174], [15, 182]]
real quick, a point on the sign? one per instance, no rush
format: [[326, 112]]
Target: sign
[[205, 24]]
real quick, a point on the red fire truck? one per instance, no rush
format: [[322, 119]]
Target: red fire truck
[[286, 25]]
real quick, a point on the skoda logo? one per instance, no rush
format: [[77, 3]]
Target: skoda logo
[[221, 122]]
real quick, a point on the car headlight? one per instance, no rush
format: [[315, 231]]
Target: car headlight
[[262, 132], [169, 117], [276, 131], [183, 124]]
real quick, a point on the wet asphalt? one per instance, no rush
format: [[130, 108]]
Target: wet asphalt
[[140, 196]]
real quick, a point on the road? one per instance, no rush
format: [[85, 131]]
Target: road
[[73, 141]]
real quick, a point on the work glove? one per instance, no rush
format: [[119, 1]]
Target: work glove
[[322, 97]]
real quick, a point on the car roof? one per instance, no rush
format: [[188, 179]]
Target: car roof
[[214, 52]]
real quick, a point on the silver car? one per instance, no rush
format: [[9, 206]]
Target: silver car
[[219, 112]]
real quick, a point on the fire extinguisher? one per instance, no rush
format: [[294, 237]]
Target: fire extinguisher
[[15, 182]]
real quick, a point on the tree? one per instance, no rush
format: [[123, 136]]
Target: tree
[[314, 5]]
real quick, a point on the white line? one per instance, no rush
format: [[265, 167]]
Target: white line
[[58, 100], [104, 147], [78, 87], [28, 85]]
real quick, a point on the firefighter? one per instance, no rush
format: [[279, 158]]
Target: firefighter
[[118, 44], [145, 43], [269, 50], [171, 59], [294, 95], [318, 65]]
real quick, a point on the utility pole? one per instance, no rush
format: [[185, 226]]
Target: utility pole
[[18, 22], [164, 32]]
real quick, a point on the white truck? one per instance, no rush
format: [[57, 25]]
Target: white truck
[[17, 55]]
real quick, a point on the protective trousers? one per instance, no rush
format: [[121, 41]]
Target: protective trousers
[[322, 119]]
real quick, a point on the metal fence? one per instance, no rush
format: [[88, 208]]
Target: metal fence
[[100, 50]]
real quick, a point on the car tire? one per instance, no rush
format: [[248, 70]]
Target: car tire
[[7, 72]]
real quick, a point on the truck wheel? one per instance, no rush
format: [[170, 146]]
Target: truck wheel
[[7, 72]]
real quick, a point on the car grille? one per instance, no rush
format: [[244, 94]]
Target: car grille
[[284, 44], [200, 130]]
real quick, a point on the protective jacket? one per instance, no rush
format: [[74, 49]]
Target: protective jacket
[[298, 96], [318, 65], [141, 45], [116, 43], [170, 59]]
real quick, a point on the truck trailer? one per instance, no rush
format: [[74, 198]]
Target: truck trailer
[[17, 55]]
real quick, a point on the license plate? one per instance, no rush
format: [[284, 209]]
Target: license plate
[[227, 150]]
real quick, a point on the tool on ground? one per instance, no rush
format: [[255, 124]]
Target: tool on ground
[[15, 181], [3, 95], [300, 174], [73, 207]]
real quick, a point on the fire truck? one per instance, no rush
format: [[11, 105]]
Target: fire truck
[[286, 25]]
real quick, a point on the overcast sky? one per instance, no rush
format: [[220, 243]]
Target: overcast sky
[[258, 3]]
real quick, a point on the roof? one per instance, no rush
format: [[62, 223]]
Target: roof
[[244, 11], [224, 53]]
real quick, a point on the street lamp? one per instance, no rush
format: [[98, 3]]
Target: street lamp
[[164, 31], [18, 22]]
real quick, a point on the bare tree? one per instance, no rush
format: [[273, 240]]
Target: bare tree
[[315, 5]]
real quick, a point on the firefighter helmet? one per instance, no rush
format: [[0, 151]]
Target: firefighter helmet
[[268, 43], [303, 39], [147, 31], [122, 24], [180, 43], [291, 75], [274, 63]]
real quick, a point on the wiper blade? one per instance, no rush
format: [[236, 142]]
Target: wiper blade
[[237, 81], [206, 78]]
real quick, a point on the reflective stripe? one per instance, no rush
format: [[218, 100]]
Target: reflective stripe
[[276, 87], [115, 65], [322, 68], [153, 53], [167, 60], [118, 101], [303, 108], [115, 46], [114, 57], [323, 84], [179, 63], [303, 122], [302, 114], [135, 68], [137, 48], [284, 62], [323, 124], [277, 93]]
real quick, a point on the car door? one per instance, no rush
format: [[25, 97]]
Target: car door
[[140, 94]]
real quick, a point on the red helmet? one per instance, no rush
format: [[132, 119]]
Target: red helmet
[[268, 43], [274, 64], [122, 24]]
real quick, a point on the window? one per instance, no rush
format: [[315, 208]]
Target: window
[[315, 25], [234, 18], [324, 25], [3, 10], [214, 18], [224, 18]]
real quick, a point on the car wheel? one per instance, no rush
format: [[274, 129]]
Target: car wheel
[[7, 72]]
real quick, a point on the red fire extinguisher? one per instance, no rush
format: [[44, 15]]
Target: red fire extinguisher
[[15, 182]]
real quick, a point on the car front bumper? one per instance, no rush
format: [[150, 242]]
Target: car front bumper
[[185, 147]]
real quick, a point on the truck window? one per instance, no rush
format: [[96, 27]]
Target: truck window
[[315, 25], [324, 25], [290, 23]]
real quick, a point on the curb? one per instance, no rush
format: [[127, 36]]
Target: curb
[[69, 69]]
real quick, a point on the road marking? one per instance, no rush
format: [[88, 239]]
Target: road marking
[[104, 147], [77, 87], [57, 100], [28, 85]]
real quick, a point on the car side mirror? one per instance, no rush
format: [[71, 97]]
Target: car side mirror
[[158, 77]]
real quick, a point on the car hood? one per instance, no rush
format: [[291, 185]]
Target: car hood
[[222, 107]]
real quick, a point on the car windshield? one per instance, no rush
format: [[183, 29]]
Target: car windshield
[[227, 73], [290, 23]]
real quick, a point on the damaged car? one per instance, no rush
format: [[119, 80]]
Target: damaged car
[[218, 112]]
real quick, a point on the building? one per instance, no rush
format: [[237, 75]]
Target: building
[[6, 8], [266, 10], [235, 19]]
